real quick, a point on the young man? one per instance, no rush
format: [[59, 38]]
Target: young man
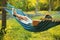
[[26, 20]]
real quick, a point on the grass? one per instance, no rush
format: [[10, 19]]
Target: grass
[[16, 32], [41, 12]]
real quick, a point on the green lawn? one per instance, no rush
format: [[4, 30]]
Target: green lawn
[[16, 32]]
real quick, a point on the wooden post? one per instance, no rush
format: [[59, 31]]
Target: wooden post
[[2, 31], [3, 15]]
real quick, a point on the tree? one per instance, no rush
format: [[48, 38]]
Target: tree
[[2, 31], [55, 5], [36, 10]]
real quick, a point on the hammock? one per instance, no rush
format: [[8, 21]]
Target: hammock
[[42, 26]]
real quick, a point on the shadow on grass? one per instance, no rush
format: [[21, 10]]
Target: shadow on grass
[[2, 33], [57, 37]]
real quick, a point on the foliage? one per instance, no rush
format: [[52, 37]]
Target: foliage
[[27, 5]]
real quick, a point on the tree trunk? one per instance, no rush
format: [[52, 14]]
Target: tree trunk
[[2, 31], [36, 10], [49, 5], [3, 15]]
